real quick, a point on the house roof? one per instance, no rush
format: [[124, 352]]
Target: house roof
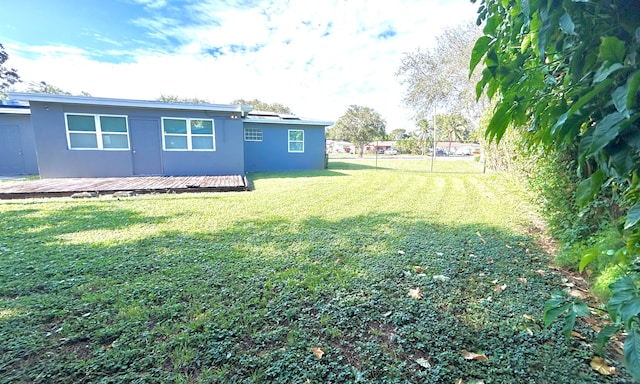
[[88, 100], [281, 118], [14, 107]]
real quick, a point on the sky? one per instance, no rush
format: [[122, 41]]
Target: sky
[[317, 57]]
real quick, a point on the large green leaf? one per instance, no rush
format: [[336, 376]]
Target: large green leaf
[[622, 290], [619, 97], [587, 257], [479, 50], [605, 334], [553, 313], [629, 311], [634, 87], [588, 188], [612, 50], [566, 24], [633, 216], [605, 70], [606, 130], [632, 351]]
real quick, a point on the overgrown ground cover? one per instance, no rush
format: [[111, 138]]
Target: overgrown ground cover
[[306, 279]]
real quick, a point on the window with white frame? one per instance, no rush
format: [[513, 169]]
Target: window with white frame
[[252, 134], [296, 140], [180, 134], [107, 132]]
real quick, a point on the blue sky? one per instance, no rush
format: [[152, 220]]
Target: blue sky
[[317, 57]]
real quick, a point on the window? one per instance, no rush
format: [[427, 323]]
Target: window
[[296, 140], [252, 134], [97, 132], [188, 134]]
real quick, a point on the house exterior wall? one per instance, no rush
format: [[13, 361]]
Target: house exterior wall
[[144, 124], [272, 153], [17, 149]]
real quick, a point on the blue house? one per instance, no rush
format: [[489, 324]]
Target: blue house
[[78, 136]]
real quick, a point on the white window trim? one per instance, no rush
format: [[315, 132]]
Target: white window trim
[[188, 135], [98, 132], [289, 140], [255, 130]]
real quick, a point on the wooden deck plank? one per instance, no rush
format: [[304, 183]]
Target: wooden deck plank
[[108, 185]]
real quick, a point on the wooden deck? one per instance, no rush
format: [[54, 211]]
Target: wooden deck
[[110, 185]]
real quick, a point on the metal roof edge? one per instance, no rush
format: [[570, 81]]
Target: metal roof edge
[[14, 111], [104, 101], [289, 122]]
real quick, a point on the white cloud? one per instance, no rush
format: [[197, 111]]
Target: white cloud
[[316, 57]]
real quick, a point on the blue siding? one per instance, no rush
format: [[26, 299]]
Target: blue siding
[[17, 149], [272, 153], [55, 160]]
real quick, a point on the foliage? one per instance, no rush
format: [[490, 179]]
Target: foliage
[[8, 76], [569, 71], [438, 77], [183, 288], [262, 106], [178, 99], [360, 126], [43, 87]]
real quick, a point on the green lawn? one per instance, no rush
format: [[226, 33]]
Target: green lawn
[[245, 287]]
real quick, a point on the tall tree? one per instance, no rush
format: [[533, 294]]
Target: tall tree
[[8, 76], [43, 87], [439, 77], [569, 72], [262, 106], [359, 125]]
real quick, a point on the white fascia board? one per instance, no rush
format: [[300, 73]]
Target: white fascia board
[[289, 122], [103, 101], [15, 111]]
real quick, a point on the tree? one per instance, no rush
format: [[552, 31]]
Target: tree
[[179, 99], [8, 76], [262, 106], [398, 134], [569, 73], [359, 125], [453, 127], [438, 78], [43, 87]]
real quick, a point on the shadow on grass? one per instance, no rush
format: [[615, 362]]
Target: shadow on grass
[[292, 174], [248, 302], [342, 165]]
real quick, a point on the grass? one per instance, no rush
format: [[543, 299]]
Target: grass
[[242, 287]]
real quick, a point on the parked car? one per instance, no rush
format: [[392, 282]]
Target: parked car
[[441, 152], [391, 151]]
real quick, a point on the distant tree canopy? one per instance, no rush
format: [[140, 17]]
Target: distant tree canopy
[[179, 99], [262, 106], [8, 76], [43, 87], [359, 125], [439, 77]]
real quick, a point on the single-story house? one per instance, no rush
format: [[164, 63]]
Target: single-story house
[[79, 136]]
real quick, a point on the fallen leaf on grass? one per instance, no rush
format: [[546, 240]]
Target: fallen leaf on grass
[[578, 335], [481, 239], [500, 288], [440, 277], [508, 246], [576, 293], [541, 272], [338, 261], [317, 352], [424, 363], [417, 268], [490, 260], [400, 253], [415, 293], [522, 280], [474, 356], [528, 317], [598, 365]]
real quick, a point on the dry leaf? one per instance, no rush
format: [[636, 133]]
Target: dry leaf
[[417, 268], [400, 253], [596, 328], [598, 365], [576, 293], [528, 317], [387, 314], [317, 352], [481, 274], [522, 280], [481, 239], [527, 251], [338, 261], [424, 363], [440, 277], [578, 335], [459, 381], [474, 356], [529, 331], [500, 288], [495, 281], [415, 293], [508, 246], [570, 285], [490, 260], [541, 272]]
